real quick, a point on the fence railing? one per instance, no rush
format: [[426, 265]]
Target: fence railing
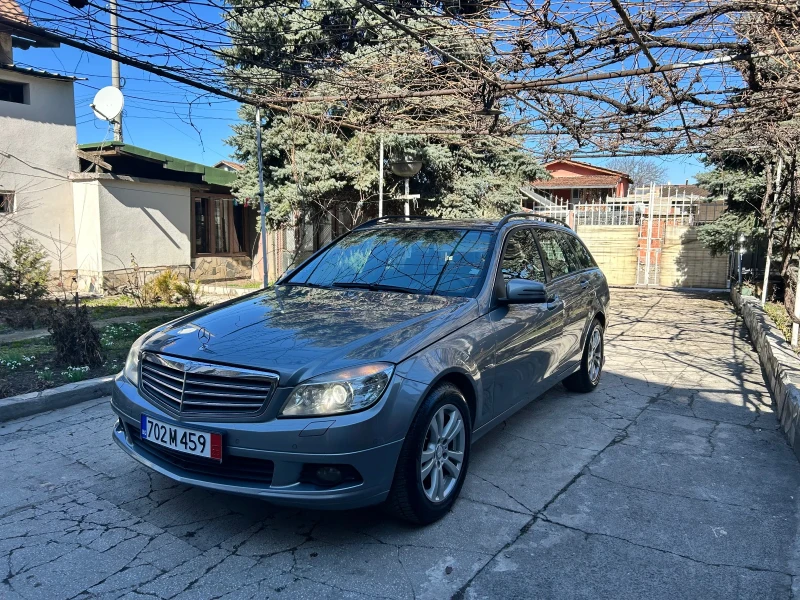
[[632, 211], [609, 213]]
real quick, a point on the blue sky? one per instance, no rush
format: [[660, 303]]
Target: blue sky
[[173, 119]]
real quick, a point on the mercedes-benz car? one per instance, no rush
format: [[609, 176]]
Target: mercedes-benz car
[[365, 374]]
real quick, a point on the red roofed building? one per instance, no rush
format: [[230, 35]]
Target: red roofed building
[[576, 182]]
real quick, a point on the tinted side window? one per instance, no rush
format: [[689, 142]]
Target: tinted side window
[[585, 259], [553, 251], [521, 259]]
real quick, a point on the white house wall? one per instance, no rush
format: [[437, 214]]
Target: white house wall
[[37, 153], [149, 220], [86, 198], [115, 219]]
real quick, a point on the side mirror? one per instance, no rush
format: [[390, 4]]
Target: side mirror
[[522, 291]]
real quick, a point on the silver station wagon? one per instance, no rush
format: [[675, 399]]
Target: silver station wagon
[[365, 375]]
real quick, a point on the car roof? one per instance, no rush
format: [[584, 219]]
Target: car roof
[[479, 224]]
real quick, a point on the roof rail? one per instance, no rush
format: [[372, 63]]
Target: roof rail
[[389, 218], [526, 215]]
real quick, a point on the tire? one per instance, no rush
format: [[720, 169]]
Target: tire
[[410, 497], [586, 378]]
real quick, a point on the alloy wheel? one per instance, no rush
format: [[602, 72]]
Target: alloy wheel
[[595, 358], [442, 455]]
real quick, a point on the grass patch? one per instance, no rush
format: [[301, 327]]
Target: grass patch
[[779, 316], [29, 365], [124, 306], [21, 316]]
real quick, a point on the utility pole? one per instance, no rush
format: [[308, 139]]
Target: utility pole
[[115, 79], [380, 181], [261, 208], [771, 230]]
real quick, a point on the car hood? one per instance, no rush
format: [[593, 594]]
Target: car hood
[[300, 332]]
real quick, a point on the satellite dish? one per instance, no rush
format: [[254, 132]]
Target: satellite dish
[[108, 103]]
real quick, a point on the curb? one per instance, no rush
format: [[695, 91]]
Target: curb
[[33, 403], [779, 363]]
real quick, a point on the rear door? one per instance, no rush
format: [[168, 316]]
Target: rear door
[[566, 282], [527, 336]]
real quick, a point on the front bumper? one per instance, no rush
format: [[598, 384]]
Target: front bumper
[[356, 440]]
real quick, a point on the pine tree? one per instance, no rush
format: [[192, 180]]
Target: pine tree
[[314, 162]]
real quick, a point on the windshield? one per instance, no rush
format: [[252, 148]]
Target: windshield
[[446, 262]]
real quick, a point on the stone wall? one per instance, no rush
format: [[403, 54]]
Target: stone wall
[[121, 281], [211, 268], [780, 363]]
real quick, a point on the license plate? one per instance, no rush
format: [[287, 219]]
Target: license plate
[[188, 441]]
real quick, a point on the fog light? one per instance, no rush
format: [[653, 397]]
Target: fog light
[[329, 475]]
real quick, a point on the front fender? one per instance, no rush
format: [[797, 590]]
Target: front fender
[[466, 355]]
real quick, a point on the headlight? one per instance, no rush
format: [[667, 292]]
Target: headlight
[[342, 391], [131, 370]]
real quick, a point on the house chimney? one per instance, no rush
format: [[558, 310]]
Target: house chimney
[[687, 182], [6, 50]]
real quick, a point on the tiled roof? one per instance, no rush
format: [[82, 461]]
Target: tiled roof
[[39, 72], [209, 175], [229, 163], [11, 10], [558, 183], [588, 166]]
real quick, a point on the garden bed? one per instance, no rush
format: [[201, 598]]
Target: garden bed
[[29, 365]]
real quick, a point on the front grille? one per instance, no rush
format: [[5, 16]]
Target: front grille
[[186, 387], [241, 468]]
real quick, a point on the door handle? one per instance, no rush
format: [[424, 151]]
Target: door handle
[[584, 283], [554, 303]]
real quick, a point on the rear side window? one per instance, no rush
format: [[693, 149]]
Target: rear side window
[[553, 250], [521, 259], [585, 259]]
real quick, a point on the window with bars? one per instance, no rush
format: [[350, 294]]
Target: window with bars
[[6, 202], [221, 227]]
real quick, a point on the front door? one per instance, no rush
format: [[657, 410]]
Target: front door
[[572, 284], [527, 336]]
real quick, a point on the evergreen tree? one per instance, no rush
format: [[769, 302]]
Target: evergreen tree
[[739, 180], [322, 156]]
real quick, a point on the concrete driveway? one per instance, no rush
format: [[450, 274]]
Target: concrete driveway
[[670, 481]]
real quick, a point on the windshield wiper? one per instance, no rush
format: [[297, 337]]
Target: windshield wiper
[[376, 287], [301, 284]]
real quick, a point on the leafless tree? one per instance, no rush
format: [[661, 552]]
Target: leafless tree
[[643, 171], [578, 78]]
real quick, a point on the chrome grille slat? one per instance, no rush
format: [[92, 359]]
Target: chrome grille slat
[[162, 372], [247, 388], [177, 389], [223, 404], [189, 392], [191, 388], [160, 392]]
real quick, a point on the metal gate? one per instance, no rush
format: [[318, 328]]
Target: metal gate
[[651, 239]]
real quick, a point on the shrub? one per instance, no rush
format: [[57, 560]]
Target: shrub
[[76, 340], [188, 292], [162, 286], [24, 270]]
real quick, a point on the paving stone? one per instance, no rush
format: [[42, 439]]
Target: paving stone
[[671, 480]]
